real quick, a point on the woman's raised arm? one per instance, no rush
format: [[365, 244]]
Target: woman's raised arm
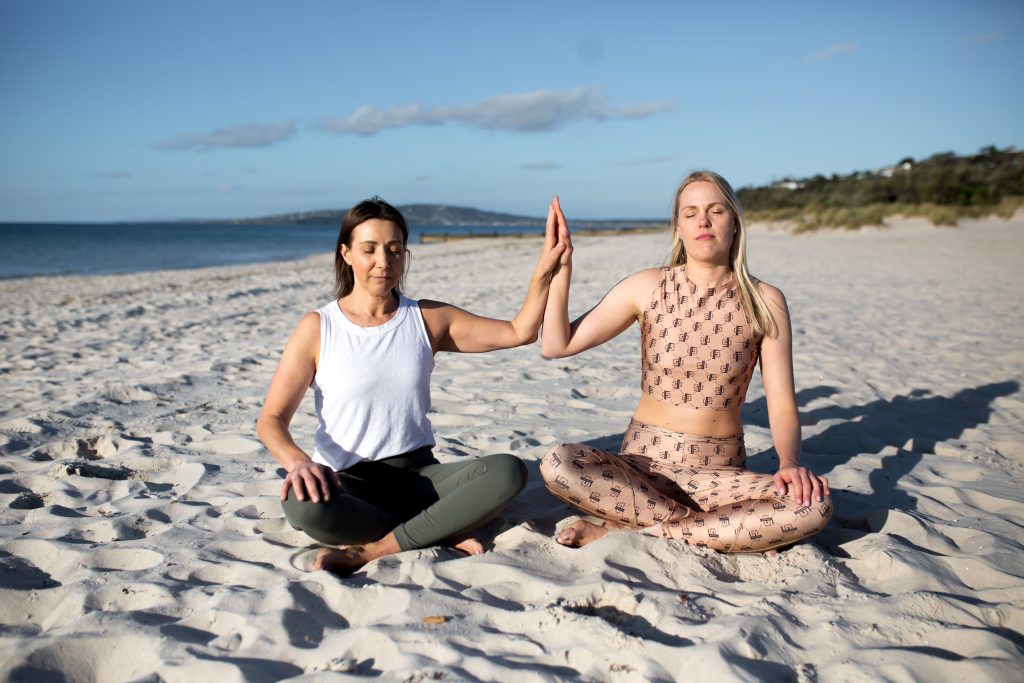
[[454, 329], [614, 313]]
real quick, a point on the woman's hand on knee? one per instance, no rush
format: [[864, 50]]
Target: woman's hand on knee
[[312, 479], [802, 484]]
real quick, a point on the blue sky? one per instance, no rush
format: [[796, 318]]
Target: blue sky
[[152, 110]]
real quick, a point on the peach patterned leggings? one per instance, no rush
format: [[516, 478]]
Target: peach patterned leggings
[[692, 488]]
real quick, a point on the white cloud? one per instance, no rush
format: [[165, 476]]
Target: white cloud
[[833, 51], [540, 110], [239, 135]]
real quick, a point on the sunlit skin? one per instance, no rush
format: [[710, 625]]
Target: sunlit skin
[[378, 256], [707, 227]]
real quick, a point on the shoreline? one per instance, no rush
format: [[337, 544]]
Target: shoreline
[[138, 512]]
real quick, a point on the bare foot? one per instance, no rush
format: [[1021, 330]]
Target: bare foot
[[467, 544], [345, 559], [580, 533], [341, 561]]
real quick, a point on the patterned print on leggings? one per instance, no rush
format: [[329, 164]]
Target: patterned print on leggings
[[691, 488]]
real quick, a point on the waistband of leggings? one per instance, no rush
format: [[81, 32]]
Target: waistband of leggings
[[736, 439], [420, 457]]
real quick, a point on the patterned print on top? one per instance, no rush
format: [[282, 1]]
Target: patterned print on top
[[697, 348]]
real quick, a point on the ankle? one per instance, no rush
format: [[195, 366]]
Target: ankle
[[385, 546]]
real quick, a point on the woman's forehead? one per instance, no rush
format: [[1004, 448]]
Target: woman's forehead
[[699, 193], [377, 230]]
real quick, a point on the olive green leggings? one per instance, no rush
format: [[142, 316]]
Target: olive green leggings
[[413, 495]]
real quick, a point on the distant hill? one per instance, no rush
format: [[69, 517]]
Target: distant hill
[[440, 215], [415, 214]]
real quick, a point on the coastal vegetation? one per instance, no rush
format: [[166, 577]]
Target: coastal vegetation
[[943, 189]]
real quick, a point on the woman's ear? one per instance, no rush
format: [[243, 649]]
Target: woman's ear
[[346, 253]]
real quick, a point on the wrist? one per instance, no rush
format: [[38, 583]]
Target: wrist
[[296, 461]]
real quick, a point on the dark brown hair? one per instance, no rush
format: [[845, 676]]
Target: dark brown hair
[[365, 210]]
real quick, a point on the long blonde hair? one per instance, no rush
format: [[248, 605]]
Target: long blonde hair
[[753, 301]]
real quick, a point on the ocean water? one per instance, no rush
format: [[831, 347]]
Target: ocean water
[[95, 249]]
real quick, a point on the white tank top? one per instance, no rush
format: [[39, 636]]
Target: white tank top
[[372, 387]]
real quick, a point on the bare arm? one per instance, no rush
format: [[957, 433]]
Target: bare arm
[[292, 378], [454, 329], [619, 308], [783, 417]]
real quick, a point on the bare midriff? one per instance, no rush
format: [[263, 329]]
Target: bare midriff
[[687, 420]]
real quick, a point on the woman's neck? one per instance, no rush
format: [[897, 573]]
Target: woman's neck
[[705, 273], [368, 310]]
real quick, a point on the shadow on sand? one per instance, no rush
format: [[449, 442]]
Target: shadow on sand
[[912, 424]]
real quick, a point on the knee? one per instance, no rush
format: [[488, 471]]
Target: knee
[[820, 513], [553, 461], [306, 515], [824, 510], [508, 472]]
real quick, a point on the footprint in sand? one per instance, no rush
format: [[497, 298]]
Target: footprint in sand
[[89, 447], [131, 597], [234, 574], [303, 560], [449, 420], [128, 560], [230, 445], [128, 394], [91, 658]]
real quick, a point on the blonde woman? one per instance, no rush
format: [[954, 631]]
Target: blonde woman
[[705, 324]]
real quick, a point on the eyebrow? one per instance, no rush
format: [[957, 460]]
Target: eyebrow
[[694, 206], [376, 242]]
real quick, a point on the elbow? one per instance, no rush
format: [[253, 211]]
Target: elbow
[[264, 424], [261, 427], [521, 337], [550, 353]]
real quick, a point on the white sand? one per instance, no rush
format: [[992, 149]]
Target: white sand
[[141, 537]]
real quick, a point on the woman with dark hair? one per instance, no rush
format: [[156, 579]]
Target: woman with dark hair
[[372, 486], [705, 323]]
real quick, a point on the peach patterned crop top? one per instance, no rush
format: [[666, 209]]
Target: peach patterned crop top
[[698, 348]]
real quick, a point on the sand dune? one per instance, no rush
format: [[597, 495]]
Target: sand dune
[[141, 538]]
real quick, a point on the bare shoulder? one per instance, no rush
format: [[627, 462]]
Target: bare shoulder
[[310, 322], [641, 285], [649, 276], [435, 310], [772, 294], [307, 333]]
